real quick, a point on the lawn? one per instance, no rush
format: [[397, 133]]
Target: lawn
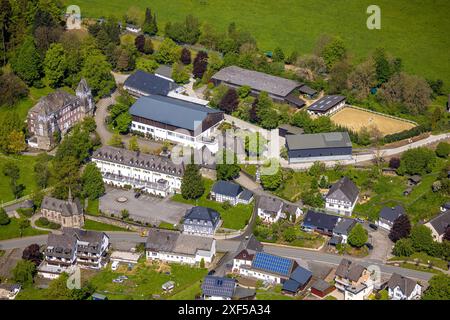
[[166, 225], [272, 294], [234, 218], [419, 268], [98, 226], [413, 30], [423, 258], [92, 207], [12, 230], [145, 281], [26, 166]]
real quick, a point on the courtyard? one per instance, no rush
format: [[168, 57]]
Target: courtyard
[[146, 208]]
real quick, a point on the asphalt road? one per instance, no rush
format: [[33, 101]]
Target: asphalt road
[[124, 239]]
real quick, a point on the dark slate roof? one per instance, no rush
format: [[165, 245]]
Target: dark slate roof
[[335, 240], [318, 140], [227, 188], [218, 286], [269, 204], [390, 214], [175, 112], [138, 160], [61, 245], [407, 285], [290, 129], [202, 214], [149, 83], [273, 264], [66, 208], [256, 80], [251, 245], [246, 195], [295, 100], [164, 70], [301, 275], [349, 270], [244, 255], [307, 90], [321, 285], [244, 293], [290, 208], [344, 190], [441, 222], [320, 220], [326, 103], [291, 286], [175, 242], [344, 226]]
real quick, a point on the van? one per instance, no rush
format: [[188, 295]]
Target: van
[[114, 265]]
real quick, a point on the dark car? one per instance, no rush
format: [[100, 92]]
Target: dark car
[[137, 195], [360, 220], [369, 246], [373, 226], [211, 272]]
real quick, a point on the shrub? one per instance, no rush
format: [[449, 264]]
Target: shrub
[[403, 248], [407, 133], [443, 149]]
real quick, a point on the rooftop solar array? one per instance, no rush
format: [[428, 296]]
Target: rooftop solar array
[[273, 264], [218, 287], [326, 103]]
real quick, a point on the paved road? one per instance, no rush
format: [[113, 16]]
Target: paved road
[[123, 239]]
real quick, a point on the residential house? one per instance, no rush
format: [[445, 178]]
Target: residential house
[[328, 146], [183, 122], [56, 113], [342, 197], [327, 105], [74, 247], [226, 191], [174, 246], [353, 280], [271, 210], [153, 174], [388, 215], [201, 221], [320, 222], [439, 225], [403, 288], [9, 291], [298, 280], [342, 230], [66, 213], [223, 288], [246, 252]]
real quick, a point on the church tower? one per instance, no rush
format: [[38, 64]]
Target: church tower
[[84, 93]]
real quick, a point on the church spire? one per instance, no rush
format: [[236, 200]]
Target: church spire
[[70, 196]]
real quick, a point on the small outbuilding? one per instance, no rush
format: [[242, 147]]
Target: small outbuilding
[[321, 288]]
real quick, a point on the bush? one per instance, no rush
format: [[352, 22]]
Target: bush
[[226, 205], [43, 221], [403, 248], [27, 212], [443, 149], [4, 219], [407, 133], [358, 236]]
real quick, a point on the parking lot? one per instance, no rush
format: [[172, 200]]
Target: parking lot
[[146, 208]]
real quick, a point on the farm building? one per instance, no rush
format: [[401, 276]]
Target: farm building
[[279, 89], [319, 147], [327, 105]]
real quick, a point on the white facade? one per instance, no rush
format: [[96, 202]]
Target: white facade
[[206, 255], [384, 224], [340, 207], [361, 294], [153, 182], [232, 200], [267, 217], [329, 112], [215, 298], [260, 275], [397, 293]]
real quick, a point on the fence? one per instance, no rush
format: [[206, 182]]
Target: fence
[[382, 114]]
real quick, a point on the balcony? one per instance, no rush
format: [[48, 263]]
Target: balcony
[[160, 185]]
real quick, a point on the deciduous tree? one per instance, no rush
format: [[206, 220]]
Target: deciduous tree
[[358, 236]]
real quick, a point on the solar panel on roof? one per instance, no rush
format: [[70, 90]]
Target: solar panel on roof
[[271, 263]]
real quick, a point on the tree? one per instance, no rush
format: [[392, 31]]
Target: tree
[[278, 55], [16, 142], [148, 65], [187, 31], [438, 289], [446, 235], [26, 62], [57, 289], [185, 57], [229, 102], [323, 182], [12, 89], [116, 141], [273, 181], [292, 58], [124, 213], [4, 218], [358, 236], [226, 170], [443, 149], [362, 79], [97, 72], [383, 69], [123, 122], [150, 26], [148, 46], [192, 185], [394, 163], [417, 161], [24, 272], [333, 52], [400, 229], [202, 263], [133, 144], [403, 248], [92, 181], [421, 238], [55, 65], [200, 64], [139, 42], [33, 254], [167, 52], [180, 73]]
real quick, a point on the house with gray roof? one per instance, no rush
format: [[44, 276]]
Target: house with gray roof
[[164, 71], [271, 209], [142, 83], [403, 288], [153, 174], [201, 221], [66, 213], [342, 230], [326, 146], [353, 280], [180, 121], [279, 89], [327, 105], [231, 192], [224, 288], [388, 215], [174, 246], [9, 291], [439, 225], [342, 197]]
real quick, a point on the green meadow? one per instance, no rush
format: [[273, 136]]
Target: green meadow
[[416, 31]]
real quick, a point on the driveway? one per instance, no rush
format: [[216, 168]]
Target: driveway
[[381, 244], [145, 208]]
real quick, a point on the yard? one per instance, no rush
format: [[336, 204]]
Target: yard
[[422, 257], [272, 294], [12, 230], [356, 119], [405, 31], [236, 217], [26, 166]]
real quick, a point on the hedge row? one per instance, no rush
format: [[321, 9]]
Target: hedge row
[[407, 133]]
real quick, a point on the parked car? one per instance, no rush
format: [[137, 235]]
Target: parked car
[[137, 195], [117, 280], [114, 265], [211, 272], [369, 246], [360, 220], [123, 278], [373, 226]]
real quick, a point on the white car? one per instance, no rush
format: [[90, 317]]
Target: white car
[[114, 265]]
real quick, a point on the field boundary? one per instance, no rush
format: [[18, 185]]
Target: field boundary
[[380, 114]]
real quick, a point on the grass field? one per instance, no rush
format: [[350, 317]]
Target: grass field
[[98, 226], [356, 119], [233, 218], [414, 30], [12, 230], [26, 165]]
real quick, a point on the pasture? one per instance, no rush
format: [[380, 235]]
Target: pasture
[[416, 31], [356, 119]]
